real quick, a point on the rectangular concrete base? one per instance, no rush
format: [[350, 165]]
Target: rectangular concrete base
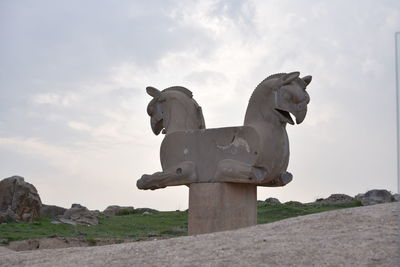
[[217, 207]]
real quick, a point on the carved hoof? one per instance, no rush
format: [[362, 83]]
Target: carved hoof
[[283, 180], [141, 183], [148, 182], [286, 178]]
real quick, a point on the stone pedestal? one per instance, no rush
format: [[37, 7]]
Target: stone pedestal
[[217, 207]]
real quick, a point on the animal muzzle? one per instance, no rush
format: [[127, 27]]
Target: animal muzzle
[[157, 124], [300, 115], [299, 111]]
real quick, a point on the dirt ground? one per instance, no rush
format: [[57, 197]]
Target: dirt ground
[[364, 236]]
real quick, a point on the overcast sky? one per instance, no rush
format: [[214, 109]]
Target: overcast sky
[[73, 74]]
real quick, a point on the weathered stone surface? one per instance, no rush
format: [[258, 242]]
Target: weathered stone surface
[[7, 215], [19, 200], [256, 153], [51, 211], [117, 210], [272, 200], [335, 199], [376, 196], [79, 214], [217, 207]]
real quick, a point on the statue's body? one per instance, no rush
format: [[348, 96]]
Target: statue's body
[[256, 153]]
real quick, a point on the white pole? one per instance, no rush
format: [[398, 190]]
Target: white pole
[[396, 37]]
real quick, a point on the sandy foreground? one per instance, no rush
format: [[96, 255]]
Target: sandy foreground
[[364, 236]]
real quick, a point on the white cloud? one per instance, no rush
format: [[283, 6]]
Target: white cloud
[[64, 100], [79, 126]]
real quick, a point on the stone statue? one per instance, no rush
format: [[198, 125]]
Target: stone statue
[[256, 153]]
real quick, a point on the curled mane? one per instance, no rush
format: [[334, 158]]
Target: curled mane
[[273, 76], [189, 93], [179, 89], [186, 92]]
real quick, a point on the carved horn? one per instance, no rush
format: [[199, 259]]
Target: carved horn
[[307, 79], [290, 77], [154, 92]]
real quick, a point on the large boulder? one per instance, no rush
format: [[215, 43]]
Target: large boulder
[[376, 196], [118, 210], [19, 200], [51, 211], [335, 199], [79, 214]]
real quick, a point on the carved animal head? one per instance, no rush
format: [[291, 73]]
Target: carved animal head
[[291, 97], [278, 96], [173, 109]]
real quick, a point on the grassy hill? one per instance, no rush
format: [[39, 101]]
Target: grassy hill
[[141, 226]]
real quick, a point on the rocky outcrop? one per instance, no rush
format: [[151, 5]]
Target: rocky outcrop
[[335, 199], [376, 196], [19, 200], [79, 214], [118, 210], [145, 211], [272, 200], [51, 211]]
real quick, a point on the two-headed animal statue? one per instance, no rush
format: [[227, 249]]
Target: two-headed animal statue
[[255, 153]]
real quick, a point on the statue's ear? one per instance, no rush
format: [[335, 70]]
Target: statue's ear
[[154, 92], [290, 77], [307, 79]]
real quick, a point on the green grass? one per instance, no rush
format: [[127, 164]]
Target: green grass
[[137, 226], [268, 213], [132, 226]]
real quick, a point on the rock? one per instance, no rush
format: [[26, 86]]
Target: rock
[[51, 211], [395, 197], [19, 200], [143, 210], [376, 196], [335, 199], [96, 213], [77, 206], [8, 215], [272, 200], [79, 214], [117, 210], [66, 221]]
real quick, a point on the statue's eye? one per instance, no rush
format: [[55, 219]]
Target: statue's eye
[[287, 96]]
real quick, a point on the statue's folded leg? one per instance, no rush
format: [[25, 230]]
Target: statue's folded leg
[[183, 173], [233, 171]]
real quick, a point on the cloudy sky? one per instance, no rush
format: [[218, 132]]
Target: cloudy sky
[[73, 74]]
